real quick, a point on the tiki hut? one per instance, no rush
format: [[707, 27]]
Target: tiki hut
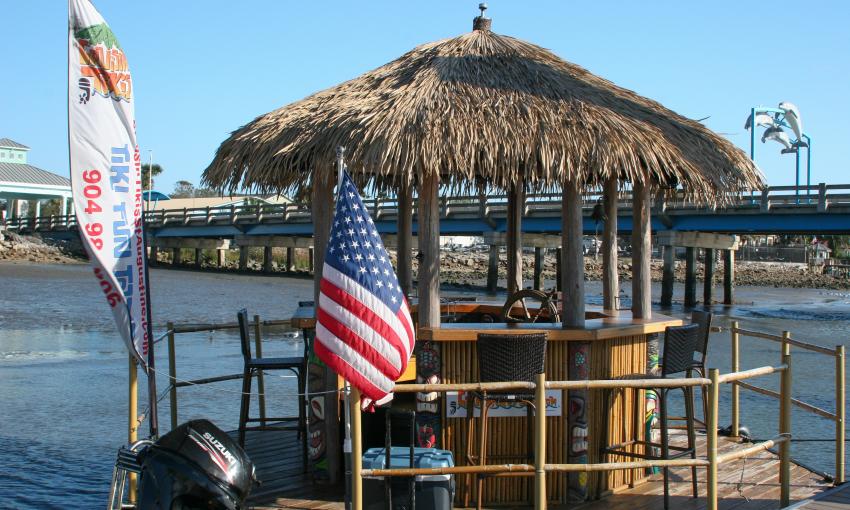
[[486, 111]]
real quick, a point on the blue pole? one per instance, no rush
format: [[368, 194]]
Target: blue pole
[[797, 185], [808, 162]]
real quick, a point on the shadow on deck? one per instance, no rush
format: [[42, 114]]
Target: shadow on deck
[[751, 483]]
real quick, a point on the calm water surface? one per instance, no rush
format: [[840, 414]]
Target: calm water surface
[[63, 369]]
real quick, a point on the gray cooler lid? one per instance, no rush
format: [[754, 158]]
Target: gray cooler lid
[[374, 458]]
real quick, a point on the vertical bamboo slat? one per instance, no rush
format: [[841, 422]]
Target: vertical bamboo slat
[[736, 390], [840, 411], [133, 418]]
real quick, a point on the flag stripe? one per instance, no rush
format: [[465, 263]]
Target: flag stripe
[[354, 359], [364, 304], [350, 373], [341, 331]]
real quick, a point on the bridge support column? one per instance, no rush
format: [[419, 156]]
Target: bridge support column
[[539, 255], [516, 204], [221, 257], [290, 260], [175, 256], [267, 259], [199, 257], [152, 256], [311, 264], [493, 269], [708, 284], [669, 276], [572, 257], [244, 254], [641, 253], [728, 276], [690, 276], [610, 274], [404, 250]]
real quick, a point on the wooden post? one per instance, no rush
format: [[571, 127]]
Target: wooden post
[[840, 412], [172, 374], [290, 259], [728, 277], [610, 273], [175, 256], [713, 407], [538, 267], [356, 451], [199, 257], [261, 383], [690, 277], [429, 247], [493, 270], [244, 253], [785, 424], [736, 396], [133, 419], [572, 260], [708, 283], [516, 204], [311, 264], [221, 257], [540, 442], [404, 254], [641, 253], [153, 255], [668, 277]]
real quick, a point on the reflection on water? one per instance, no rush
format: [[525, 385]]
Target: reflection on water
[[63, 369]]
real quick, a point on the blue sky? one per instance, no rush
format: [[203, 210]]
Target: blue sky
[[204, 68]]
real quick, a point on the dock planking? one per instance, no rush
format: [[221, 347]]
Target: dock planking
[[746, 484]]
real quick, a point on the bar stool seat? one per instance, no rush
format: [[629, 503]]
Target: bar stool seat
[[680, 342], [502, 358]]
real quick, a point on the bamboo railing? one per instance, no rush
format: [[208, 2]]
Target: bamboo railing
[[837, 417], [540, 467]]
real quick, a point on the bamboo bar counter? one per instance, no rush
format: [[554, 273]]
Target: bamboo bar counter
[[606, 347]]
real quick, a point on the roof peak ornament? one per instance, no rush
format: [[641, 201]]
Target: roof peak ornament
[[482, 22]]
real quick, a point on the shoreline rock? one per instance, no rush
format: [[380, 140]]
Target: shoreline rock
[[35, 249]]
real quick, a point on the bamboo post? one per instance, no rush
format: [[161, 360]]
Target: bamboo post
[[261, 386], [172, 375], [133, 419], [356, 452], [540, 442], [785, 424], [736, 409], [711, 432], [840, 412]]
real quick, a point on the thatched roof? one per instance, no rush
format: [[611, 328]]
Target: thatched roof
[[486, 109]]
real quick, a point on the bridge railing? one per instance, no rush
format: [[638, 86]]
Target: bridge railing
[[820, 198]]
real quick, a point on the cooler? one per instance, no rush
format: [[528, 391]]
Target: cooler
[[433, 492]]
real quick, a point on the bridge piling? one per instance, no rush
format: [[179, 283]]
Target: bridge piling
[[199, 257], [493, 269], [244, 253], [221, 257], [154, 251], [728, 277], [668, 276], [175, 256], [690, 277], [539, 254], [708, 284], [290, 260], [267, 259]]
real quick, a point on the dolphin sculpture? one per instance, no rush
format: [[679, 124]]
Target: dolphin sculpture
[[762, 119], [792, 118], [778, 135]]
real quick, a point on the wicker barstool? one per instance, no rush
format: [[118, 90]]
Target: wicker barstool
[[502, 358], [680, 343]]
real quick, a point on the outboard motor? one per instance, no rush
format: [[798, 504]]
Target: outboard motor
[[196, 466]]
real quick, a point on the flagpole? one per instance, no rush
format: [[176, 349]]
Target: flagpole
[[346, 448]]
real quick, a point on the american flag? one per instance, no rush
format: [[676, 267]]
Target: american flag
[[364, 331]]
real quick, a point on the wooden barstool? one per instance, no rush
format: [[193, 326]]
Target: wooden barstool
[[680, 343], [502, 358]]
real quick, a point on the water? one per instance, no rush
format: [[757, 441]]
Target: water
[[63, 371]]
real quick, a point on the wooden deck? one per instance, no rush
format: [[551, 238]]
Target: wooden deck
[[745, 484]]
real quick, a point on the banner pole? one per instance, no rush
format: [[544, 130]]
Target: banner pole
[[346, 445], [151, 372]]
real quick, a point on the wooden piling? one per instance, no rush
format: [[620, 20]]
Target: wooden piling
[[516, 204], [152, 257], [429, 247], [785, 424], [133, 419], [668, 276], [641, 253], [728, 277], [290, 259], [267, 259], [493, 270], [610, 272], [221, 257], [572, 257], [175, 256], [172, 374], [199, 257], [690, 277], [244, 253], [708, 283], [538, 267]]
